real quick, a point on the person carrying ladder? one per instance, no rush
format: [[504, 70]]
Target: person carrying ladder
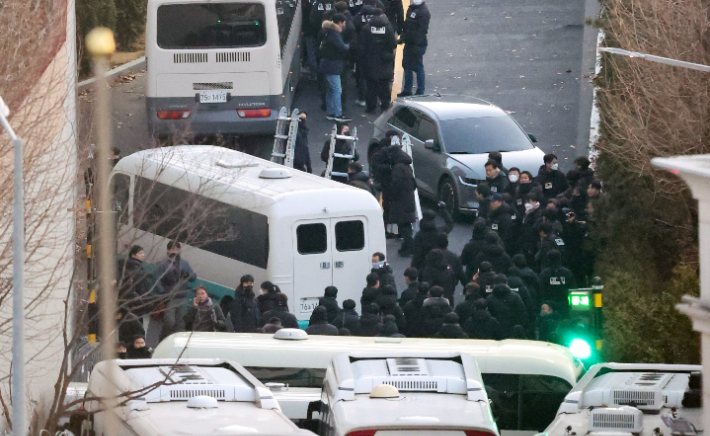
[[344, 152]]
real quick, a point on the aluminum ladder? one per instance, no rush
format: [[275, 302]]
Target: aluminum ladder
[[285, 137], [352, 140]]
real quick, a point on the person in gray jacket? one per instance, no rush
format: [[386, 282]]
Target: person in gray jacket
[[174, 274]]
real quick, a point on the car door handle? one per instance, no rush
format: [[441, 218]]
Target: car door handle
[[325, 265], [339, 264]]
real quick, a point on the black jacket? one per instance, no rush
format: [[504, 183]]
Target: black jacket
[[129, 327], [416, 26], [388, 306], [331, 305], [343, 318], [508, 308], [454, 263], [208, 318], [414, 313], [288, 320], [486, 281], [408, 294], [532, 281], [451, 331], [402, 206], [433, 312], [501, 221], [517, 284], [555, 282], [499, 184], [370, 325], [497, 256], [315, 19], [323, 329], [438, 273], [466, 309], [301, 154], [376, 45], [385, 275], [369, 295], [551, 242], [529, 235], [470, 252], [482, 325], [424, 241], [267, 302], [553, 182], [244, 312], [137, 287], [332, 50]]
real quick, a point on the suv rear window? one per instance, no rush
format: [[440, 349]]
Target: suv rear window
[[211, 25]]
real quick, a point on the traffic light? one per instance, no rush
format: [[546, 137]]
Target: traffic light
[[580, 348]]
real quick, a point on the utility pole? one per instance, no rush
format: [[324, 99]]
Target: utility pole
[[101, 45], [18, 282]]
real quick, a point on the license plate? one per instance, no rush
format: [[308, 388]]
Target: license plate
[[215, 96], [308, 304]]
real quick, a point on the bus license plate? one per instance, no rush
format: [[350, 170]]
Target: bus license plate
[[215, 96], [308, 304]]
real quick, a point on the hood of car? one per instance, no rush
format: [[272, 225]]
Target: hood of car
[[526, 160]]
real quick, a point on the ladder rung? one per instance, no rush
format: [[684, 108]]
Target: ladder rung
[[345, 137], [337, 174], [277, 136], [278, 154], [283, 118], [343, 156]]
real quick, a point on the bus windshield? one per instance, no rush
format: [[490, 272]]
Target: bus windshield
[[211, 25]]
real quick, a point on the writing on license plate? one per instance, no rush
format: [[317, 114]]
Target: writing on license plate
[[214, 96], [308, 304]]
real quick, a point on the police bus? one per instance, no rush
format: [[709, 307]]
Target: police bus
[[236, 214], [220, 67]]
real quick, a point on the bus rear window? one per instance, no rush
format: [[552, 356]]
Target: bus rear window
[[211, 25], [294, 377]]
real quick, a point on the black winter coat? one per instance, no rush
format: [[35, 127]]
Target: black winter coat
[[553, 182], [486, 281], [402, 206], [331, 305], [267, 302], [385, 275], [344, 315], [301, 154], [529, 236], [469, 255], [323, 329], [482, 325], [424, 241], [244, 311], [497, 256], [555, 282], [501, 221], [433, 312], [499, 184], [408, 294], [508, 308], [466, 309], [517, 284], [438, 273], [208, 318], [416, 26], [376, 45], [551, 242], [315, 20], [369, 295], [388, 306], [414, 313], [333, 51], [451, 331], [532, 281], [288, 320], [370, 325], [129, 327], [454, 263]]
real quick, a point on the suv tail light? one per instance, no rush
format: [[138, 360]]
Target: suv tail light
[[173, 115], [362, 433], [254, 113], [478, 433]]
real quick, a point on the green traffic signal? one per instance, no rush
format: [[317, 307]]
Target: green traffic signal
[[580, 349]]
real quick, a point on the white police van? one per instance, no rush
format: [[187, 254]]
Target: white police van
[[205, 397], [615, 399], [397, 393]]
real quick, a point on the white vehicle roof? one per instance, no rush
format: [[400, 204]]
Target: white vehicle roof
[[169, 399], [615, 399], [238, 178], [439, 390], [263, 350]]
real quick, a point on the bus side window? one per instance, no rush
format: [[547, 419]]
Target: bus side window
[[349, 235], [540, 397], [312, 238], [120, 186]]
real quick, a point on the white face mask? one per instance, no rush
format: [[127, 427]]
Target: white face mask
[[378, 265], [417, 2], [528, 206], [555, 166], [513, 178]]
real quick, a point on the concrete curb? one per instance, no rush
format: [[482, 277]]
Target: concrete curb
[[137, 64]]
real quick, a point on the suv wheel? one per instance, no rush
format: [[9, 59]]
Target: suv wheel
[[448, 194]]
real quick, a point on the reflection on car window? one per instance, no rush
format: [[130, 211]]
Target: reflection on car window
[[294, 377], [525, 402], [427, 130], [405, 119], [483, 135]]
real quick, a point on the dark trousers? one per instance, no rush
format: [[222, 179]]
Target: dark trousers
[[378, 88], [407, 234], [361, 83], [413, 62]]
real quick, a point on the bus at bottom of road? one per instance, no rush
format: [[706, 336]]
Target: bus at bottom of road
[[236, 214]]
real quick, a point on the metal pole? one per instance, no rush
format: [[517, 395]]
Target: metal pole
[[654, 58], [18, 284], [100, 43]]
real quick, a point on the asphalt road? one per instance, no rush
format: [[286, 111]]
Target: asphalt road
[[532, 58]]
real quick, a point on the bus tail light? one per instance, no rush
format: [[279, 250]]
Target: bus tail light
[[254, 113], [173, 115], [362, 433], [478, 433]]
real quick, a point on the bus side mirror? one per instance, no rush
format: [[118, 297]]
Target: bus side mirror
[[532, 137]]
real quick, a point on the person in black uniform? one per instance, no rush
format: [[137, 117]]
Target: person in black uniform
[[377, 43], [414, 38], [395, 14]]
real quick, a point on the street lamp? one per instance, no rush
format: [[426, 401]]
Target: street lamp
[[18, 282]]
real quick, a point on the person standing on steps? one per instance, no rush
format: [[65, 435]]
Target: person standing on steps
[[414, 38], [333, 52]]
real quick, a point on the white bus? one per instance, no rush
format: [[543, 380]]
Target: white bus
[[236, 214], [527, 380], [220, 67], [201, 397], [413, 393]]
